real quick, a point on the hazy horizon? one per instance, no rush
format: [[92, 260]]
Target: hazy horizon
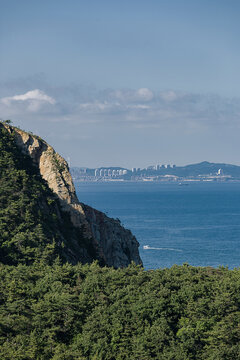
[[150, 164], [127, 83]]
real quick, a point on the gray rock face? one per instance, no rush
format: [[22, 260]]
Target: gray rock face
[[118, 244], [115, 245]]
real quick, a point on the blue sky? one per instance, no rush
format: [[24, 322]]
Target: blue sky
[[126, 83]]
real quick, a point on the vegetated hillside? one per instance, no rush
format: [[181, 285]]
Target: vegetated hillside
[[32, 223], [93, 235], [87, 312]]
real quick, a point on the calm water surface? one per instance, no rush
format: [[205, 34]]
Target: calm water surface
[[198, 224]]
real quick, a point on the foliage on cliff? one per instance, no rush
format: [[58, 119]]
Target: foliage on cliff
[[88, 312], [32, 224]]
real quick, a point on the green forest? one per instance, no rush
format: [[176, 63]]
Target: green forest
[[53, 309]]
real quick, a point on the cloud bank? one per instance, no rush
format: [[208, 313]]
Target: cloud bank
[[160, 126], [139, 108], [35, 99]]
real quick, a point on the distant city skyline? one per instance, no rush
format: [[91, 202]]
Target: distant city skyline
[[124, 83], [202, 172]]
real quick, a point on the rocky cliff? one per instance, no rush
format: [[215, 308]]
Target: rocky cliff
[[114, 245]]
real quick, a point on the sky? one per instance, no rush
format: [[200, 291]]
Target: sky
[[124, 83]]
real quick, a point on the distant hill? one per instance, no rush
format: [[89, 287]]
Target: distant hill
[[204, 168]]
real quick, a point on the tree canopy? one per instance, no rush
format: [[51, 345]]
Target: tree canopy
[[61, 311]]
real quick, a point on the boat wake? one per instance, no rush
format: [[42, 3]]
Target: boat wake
[[147, 247]]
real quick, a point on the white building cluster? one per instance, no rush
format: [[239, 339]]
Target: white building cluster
[[135, 170], [109, 172], [164, 166], [154, 167], [159, 167]]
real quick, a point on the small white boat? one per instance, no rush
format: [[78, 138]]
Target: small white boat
[[146, 247]]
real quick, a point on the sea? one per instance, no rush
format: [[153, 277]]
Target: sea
[[198, 223]]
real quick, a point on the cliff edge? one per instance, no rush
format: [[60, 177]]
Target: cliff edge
[[114, 245]]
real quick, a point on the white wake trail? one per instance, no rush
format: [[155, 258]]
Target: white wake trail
[[147, 247]]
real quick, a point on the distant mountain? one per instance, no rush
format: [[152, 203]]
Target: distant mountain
[[205, 168], [191, 170]]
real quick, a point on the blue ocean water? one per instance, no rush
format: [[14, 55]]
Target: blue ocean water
[[198, 224]]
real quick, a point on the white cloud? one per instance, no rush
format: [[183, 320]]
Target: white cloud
[[144, 94], [97, 106], [129, 95], [139, 106], [106, 106], [169, 95], [34, 99]]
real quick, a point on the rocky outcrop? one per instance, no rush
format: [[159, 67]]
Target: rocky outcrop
[[115, 245], [118, 244]]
